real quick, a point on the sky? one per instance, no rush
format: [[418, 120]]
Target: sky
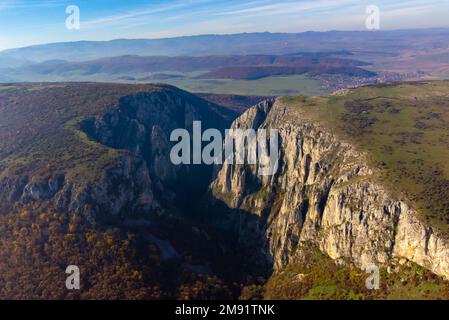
[[29, 22]]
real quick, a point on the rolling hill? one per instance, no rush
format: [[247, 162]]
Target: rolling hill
[[136, 65], [383, 43]]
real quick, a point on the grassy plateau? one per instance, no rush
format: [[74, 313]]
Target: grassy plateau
[[405, 130]]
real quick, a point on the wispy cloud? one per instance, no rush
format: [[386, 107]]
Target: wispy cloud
[[17, 4], [140, 14], [111, 19], [287, 7]]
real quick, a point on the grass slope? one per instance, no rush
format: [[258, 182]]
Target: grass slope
[[270, 86], [39, 126], [317, 277], [405, 130]]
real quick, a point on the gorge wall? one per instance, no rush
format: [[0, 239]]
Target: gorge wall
[[325, 193], [139, 177]]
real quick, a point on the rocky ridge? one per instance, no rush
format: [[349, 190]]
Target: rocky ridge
[[325, 193]]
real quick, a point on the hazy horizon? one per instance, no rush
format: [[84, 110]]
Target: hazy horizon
[[111, 20], [221, 34]]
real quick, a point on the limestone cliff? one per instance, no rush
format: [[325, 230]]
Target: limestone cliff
[[138, 176], [324, 192]]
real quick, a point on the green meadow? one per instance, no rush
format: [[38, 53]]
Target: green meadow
[[270, 86], [405, 131]]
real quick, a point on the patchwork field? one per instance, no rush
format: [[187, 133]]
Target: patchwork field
[[270, 86]]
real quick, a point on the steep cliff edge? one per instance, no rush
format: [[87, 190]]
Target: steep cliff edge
[[324, 193], [86, 180], [111, 157]]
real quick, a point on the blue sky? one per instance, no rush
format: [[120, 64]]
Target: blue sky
[[27, 22]]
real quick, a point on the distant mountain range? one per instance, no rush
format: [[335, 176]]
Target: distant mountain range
[[235, 44]]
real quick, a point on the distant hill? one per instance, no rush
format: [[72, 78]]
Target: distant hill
[[387, 42], [248, 67], [255, 73]]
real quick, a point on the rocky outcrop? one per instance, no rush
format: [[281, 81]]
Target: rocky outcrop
[[421, 244], [125, 188], [140, 178], [325, 193]]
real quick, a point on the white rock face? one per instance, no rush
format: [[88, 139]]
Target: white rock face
[[420, 244], [324, 192]]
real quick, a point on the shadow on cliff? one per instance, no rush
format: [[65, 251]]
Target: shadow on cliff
[[246, 229], [232, 243]]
